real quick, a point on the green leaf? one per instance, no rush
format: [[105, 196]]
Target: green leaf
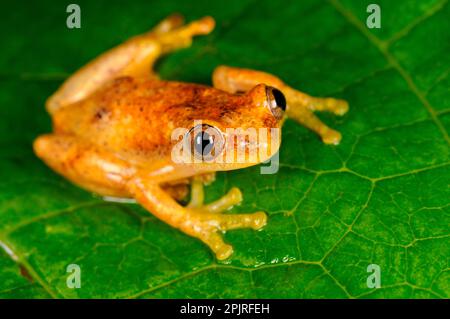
[[380, 197]]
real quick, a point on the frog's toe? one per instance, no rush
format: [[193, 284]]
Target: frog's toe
[[218, 246], [331, 137], [209, 228], [226, 202], [225, 222], [169, 23], [234, 221], [203, 26], [341, 107]]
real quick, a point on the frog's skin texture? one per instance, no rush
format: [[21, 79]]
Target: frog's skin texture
[[113, 119]]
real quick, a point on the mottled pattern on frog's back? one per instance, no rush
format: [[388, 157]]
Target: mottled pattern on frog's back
[[140, 114]]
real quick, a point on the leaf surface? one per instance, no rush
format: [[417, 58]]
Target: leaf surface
[[380, 197]]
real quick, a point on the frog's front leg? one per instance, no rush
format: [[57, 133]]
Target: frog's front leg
[[106, 174], [134, 57], [300, 106], [205, 222]]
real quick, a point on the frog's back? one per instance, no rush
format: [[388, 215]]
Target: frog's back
[[137, 114]]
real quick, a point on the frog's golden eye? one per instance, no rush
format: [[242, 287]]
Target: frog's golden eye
[[206, 141], [277, 102]]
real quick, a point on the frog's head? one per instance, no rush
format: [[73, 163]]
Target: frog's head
[[244, 130]]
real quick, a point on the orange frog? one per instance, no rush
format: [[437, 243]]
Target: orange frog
[[113, 122]]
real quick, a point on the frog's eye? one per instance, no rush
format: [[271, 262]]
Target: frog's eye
[[277, 102], [206, 141]]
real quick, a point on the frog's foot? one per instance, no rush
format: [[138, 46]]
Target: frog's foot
[[209, 226], [335, 106], [207, 222], [328, 104], [301, 107], [168, 24], [181, 37]]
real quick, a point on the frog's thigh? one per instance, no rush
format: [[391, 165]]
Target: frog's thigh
[[83, 164], [134, 57], [130, 58], [300, 106]]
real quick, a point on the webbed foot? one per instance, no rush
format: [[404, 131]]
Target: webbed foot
[[208, 222]]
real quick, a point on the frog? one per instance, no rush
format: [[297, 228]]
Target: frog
[[112, 122]]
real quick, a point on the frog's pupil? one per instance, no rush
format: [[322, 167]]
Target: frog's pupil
[[203, 143], [279, 99]]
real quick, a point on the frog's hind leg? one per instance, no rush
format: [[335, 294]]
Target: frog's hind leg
[[84, 164], [92, 169], [134, 57], [300, 106]]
